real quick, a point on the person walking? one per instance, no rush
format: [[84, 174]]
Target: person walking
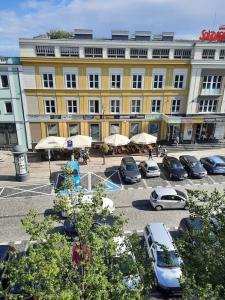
[[150, 153], [177, 140], [157, 150]]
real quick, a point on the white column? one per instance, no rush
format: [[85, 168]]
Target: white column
[[57, 51], [127, 53], [104, 53], [171, 54], [194, 90], [81, 52]]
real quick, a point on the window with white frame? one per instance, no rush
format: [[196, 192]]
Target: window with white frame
[[207, 106], [135, 106], [115, 81], [69, 51], [52, 129], [158, 81], [72, 106], [116, 52], [71, 82], [115, 106], [8, 107], [138, 53], [156, 106], [92, 52], [94, 106], [48, 80], [134, 128], [4, 81], [179, 81], [45, 50], [208, 53], [160, 53], [182, 54], [211, 84], [137, 81], [176, 105], [222, 54], [114, 128], [93, 81], [73, 129], [50, 106]]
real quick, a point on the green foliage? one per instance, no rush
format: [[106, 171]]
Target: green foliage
[[204, 257], [105, 148], [59, 34]]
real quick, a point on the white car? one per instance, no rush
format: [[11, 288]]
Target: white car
[[87, 199], [150, 168], [131, 281]]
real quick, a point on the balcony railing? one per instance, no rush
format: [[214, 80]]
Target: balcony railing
[[210, 92]]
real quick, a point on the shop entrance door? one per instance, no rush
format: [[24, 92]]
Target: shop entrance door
[[205, 131], [95, 132], [173, 132]]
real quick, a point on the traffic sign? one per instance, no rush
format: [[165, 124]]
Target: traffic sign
[[70, 144]]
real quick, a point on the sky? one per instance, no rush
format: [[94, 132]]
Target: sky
[[28, 18]]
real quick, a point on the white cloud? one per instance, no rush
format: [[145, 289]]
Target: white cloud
[[186, 18]]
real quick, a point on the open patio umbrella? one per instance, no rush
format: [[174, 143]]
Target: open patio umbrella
[[79, 141], [143, 139], [116, 140], [51, 142]]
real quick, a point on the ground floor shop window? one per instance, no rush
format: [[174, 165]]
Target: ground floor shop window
[[52, 129], [135, 128], [8, 134], [205, 131], [95, 132], [114, 128], [153, 128], [73, 129], [173, 132]]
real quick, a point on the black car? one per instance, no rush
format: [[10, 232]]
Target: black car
[[193, 166], [129, 170], [174, 167], [5, 254]]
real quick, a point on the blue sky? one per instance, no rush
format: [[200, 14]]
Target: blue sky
[[27, 18]]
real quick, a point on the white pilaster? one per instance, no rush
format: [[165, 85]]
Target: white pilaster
[[194, 90]]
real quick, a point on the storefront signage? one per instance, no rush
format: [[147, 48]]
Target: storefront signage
[[55, 117], [154, 117], [186, 121], [216, 36], [38, 117], [72, 117], [137, 116]]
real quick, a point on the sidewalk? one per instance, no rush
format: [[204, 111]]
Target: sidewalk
[[40, 173]]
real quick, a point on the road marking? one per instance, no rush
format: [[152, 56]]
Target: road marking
[[89, 181], [23, 191], [190, 181], [145, 183], [212, 180], [2, 190], [18, 242]]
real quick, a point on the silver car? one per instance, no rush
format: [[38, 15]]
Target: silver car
[[168, 198], [150, 168]]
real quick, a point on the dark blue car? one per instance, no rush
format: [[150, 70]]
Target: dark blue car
[[214, 164]]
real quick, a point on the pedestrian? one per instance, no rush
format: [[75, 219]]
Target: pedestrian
[[150, 153], [157, 150], [177, 140]]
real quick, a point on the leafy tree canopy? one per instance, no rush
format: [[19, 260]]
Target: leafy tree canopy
[[59, 34]]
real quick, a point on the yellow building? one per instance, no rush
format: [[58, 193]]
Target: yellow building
[[100, 87]]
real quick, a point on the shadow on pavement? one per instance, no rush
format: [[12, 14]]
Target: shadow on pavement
[[112, 174], [7, 178], [142, 204]]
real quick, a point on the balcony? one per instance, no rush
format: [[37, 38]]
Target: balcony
[[211, 92]]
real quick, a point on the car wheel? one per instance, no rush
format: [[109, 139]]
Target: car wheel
[[158, 207], [171, 176], [155, 282]]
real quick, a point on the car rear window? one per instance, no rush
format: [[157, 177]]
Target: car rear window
[[176, 165], [154, 195], [152, 168]]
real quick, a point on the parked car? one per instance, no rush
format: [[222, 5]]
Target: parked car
[[168, 198], [131, 277], [150, 168], [129, 170], [214, 164], [174, 168], [72, 199], [166, 264], [193, 166]]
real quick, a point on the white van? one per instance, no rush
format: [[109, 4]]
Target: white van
[[165, 261]]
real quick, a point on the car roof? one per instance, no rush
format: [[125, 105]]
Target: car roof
[[217, 159], [189, 158], [151, 163], [171, 158], [128, 159], [73, 164], [161, 191], [161, 236]]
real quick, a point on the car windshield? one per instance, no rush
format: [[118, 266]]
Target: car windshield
[[182, 194], [154, 195], [167, 259], [152, 168], [127, 264], [195, 164], [131, 167], [176, 165]]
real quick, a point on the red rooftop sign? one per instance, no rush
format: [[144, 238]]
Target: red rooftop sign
[[216, 36]]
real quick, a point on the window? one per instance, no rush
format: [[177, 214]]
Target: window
[[136, 81], [93, 81], [115, 106], [115, 81], [48, 80], [4, 81], [94, 106], [208, 53], [72, 106], [160, 53], [69, 51], [45, 51], [222, 54], [135, 106], [73, 129], [211, 85], [116, 52], [52, 129], [134, 128], [50, 107], [207, 105], [138, 53], [93, 52], [70, 81], [175, 105], [182, 54], [178, 81], [114, 128], [8, 107], [158, 81], [156, 105]]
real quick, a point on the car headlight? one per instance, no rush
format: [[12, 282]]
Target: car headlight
[[139, 176]]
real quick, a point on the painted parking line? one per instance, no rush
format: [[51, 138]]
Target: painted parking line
[[212, 180], [24, 191]]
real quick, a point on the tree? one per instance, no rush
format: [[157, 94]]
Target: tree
[[57, 266], [59, 34], [204, 258]]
